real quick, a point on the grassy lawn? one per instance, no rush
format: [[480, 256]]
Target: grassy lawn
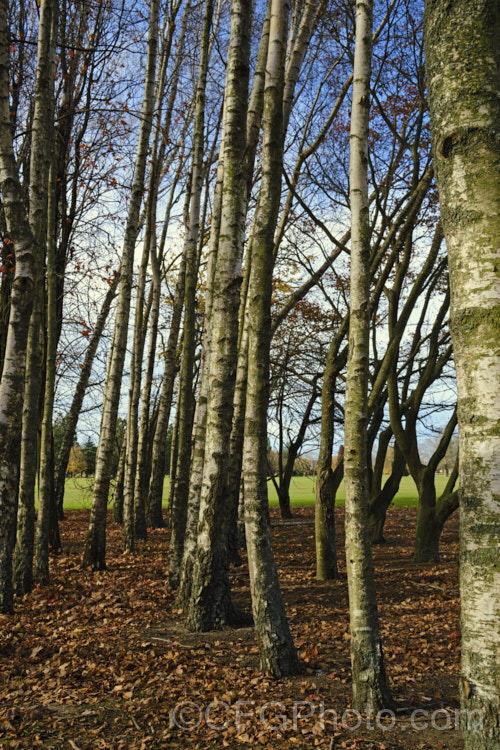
[[78, 493]]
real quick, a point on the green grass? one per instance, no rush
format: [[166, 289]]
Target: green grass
[[78, 494]]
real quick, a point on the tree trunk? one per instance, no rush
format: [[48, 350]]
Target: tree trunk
[[155, 494], [199, 433], [41, 148], [382, 496], [118, 488], [27, 263], [428, 530], [78, 396], [371, 691], [276, 648], [25, 535], [254, 117], [324, 514], [95, 545], [46, 505], [143, 455], [181, 488], [140, 326], [463, 63], [210, 604]]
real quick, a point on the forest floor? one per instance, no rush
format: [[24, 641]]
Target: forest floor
[[102, 660]]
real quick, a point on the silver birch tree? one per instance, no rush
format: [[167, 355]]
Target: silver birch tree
[[28, 240], [276, 648], [370, 687], [209, 604], [463, 77], [95, 545], [181, 488]]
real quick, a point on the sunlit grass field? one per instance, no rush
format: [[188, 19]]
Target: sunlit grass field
[[78, 494]]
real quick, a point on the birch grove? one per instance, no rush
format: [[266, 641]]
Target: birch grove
[[297, 205]]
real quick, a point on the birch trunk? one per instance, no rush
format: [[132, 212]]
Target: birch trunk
[[181, 488], [25, 533], [198, 451], [27, 249], [143, 454], [154, 513], [370, 687], [41, 147], [140, 325], [155, 494], [463, 64], [276, 648], [324, 514], [78, 396], [95, 545], [46, 499], [210, 604], [134, 500], [118, 487], [254, 117]]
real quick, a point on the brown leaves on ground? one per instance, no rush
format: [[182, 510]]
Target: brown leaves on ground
[[102, 660]]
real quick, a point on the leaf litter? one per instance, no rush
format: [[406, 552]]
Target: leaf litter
[[102, 660]]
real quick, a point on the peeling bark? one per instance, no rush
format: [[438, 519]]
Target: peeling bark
[[463, 74]]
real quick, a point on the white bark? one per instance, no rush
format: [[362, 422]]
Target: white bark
[[209, 604], [95, 547], [463, 60], [370, 688]]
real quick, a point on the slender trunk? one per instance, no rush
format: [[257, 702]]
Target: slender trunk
[[140, 489], [210, 604], [118, 488], [154, 512], [25, 536], [198, 452], [95, 546], [236, 449], [47, 527], [78, 396], [181, 488], [46, 506], [276, 648], [27, 262], [42, 143], [254, 117], [381, 500], [371, 691], [324, 516], [155, 494], [134, 397], [173, 463]]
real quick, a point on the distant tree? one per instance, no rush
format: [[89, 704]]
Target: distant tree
[[89, 452], [77, 463], [58, 430], [303, 467], [447, 463]]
